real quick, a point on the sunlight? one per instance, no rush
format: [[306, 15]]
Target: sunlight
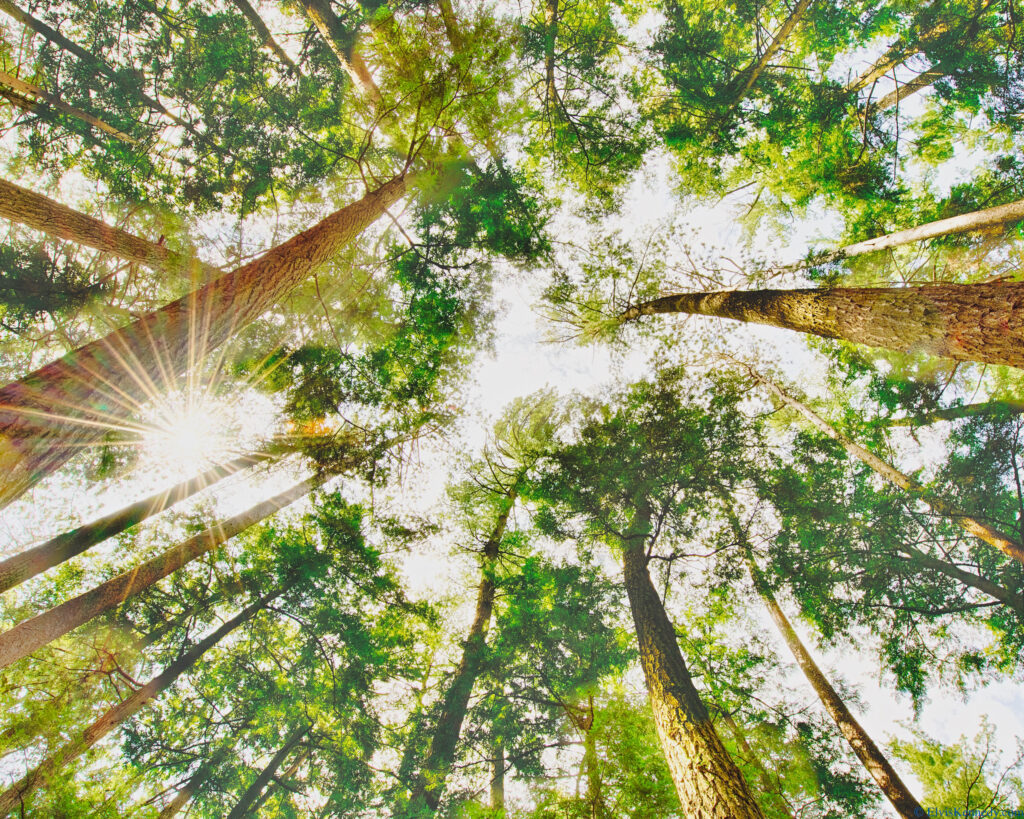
[[188, 433]]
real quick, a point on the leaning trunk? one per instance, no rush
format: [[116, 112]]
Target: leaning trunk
[[429, 784], [44, 628], [1003, 542], [901, 92], [16, 794], [965, 322], [266, 39], [27, 564], [51, 414], [709, 784], [341, 44], [40, 213], [868, 753], [753, 73], [256, 788], [954, 413]]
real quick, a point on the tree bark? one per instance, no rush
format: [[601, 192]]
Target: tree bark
[[954, 413], [48, 416], [429, 784], [904, 90], [498, 779], [41, 213], [1003, 542], [27, 564], [550, 38], [965, 322], [334, 34], [709, 784], [252, 793], [872, 758], [196, 781], [30, 91], [266, 38], [16, 794], [278, 781], [38, 631], [754, 72]]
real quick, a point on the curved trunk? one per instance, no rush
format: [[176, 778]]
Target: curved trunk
[[753, 73], [868, 753], [266, 39], [709, 784], [1003, 542], [41, 213], [964, 411], [36, 94], [38, 631], [428, 787], [16, 794], [48, 416], [252, 793], [965, 322], [27, 564]]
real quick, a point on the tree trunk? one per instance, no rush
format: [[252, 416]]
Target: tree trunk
[[595, 799], [40, 213], [753, 73], [93, 61], [1004, 543], [904, 90], [550, 38], [189, 789], [868, 753], [16, 794], [498, 779], [51, 414], [27, 564], [278, 781], [709, 784], [266, 39], [964, 411], [339, 41], [252, 793], [770, 788], [38, 631], [965, 322], [34, 92], [428, 786]]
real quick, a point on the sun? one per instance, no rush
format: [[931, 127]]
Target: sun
[[187, 434]]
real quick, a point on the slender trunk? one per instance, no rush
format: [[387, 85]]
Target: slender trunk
[[189, 789], [965, 322], [90, 59], [550, 38], [897, 54], [266, 39], [709, 784], [595, 799], [769, 787], [38, 631], [29, 91], [498, 779], [904, 90], [41, 213], [868, 753], [754, 72], [16, 794], [341, 44], [964, 411], [300, 757], [1013, 600], [27, 564], [49, 415], [1004, 543], [241, 808], [429, 784], [451, 25]]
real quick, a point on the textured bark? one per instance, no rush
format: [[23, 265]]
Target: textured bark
[[24, 565], [278, 781], [904, 90], [550, 38], [965, 322], [754, 72], [266, 38], [252, 793], [49, 415], [17, 793], [428, 787], [34, 92], [498, 779], [41, 213], [338, 40], [187, 791], [709, 784], [868, 753], [451, 24], [1003, 542], [964, 411], [36, 632], [91, 60]]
